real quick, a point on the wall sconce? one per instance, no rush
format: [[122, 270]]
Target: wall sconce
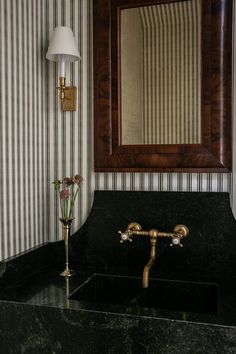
[[62, 49]]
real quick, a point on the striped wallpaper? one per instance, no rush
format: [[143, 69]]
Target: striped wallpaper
[[161, 73], [172, 73], [39, 143], [23, 119], [69, 137], [191, 182]]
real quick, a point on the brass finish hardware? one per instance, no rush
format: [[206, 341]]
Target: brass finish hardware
[[67, 95], [149, 263], [62, 81], [134, 228], [69, 102], [66, 225]]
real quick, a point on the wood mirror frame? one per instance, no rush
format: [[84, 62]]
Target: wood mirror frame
[[214, 152]]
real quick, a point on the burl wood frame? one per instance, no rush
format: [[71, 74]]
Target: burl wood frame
[[214, 152]]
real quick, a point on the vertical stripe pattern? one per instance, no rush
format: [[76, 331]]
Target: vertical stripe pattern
[[172, 77], [176, 182], [22, 126], [69, 139], [161, 73], [39, 143]]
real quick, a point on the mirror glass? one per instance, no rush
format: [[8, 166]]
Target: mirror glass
[[160, 71]]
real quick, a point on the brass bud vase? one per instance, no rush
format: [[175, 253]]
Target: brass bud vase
[[66, 225]]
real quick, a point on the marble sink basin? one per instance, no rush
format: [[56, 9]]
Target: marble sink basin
[[161, 294]]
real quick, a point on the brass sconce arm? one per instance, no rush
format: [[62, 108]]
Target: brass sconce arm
[[62, 81], [134, 228], [67, 95]]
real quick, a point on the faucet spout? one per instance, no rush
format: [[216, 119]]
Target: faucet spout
[[135, 229], [147, 267]]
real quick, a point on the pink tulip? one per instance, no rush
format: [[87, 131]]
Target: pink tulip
[[64, 194]]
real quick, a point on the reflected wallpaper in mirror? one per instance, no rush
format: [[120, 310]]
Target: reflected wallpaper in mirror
[[160, 58]]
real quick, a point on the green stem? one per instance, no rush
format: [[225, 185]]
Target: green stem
[[64, 215], [61, 206], [66, 208], [74, 195]]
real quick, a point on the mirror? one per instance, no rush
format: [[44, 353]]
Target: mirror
[[162, 85], [160, 57]]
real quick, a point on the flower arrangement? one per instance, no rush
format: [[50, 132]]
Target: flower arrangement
[[67, 189]]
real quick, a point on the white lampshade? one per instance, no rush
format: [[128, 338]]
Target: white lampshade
[[62, 46]]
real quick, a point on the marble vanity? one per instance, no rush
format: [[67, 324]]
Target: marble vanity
[[190, 306]]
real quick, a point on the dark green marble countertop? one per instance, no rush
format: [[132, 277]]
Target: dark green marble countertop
[[49, 289], [208, 255], [34, 297]]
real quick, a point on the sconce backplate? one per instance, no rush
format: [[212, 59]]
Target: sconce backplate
[[69, 101]]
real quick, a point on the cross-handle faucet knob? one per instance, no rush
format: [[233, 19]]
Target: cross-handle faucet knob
[[179, 232], [125, 236], [132, 228], [176, 241]]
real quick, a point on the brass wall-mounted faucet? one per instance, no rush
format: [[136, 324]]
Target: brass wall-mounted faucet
[[134, 228]]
